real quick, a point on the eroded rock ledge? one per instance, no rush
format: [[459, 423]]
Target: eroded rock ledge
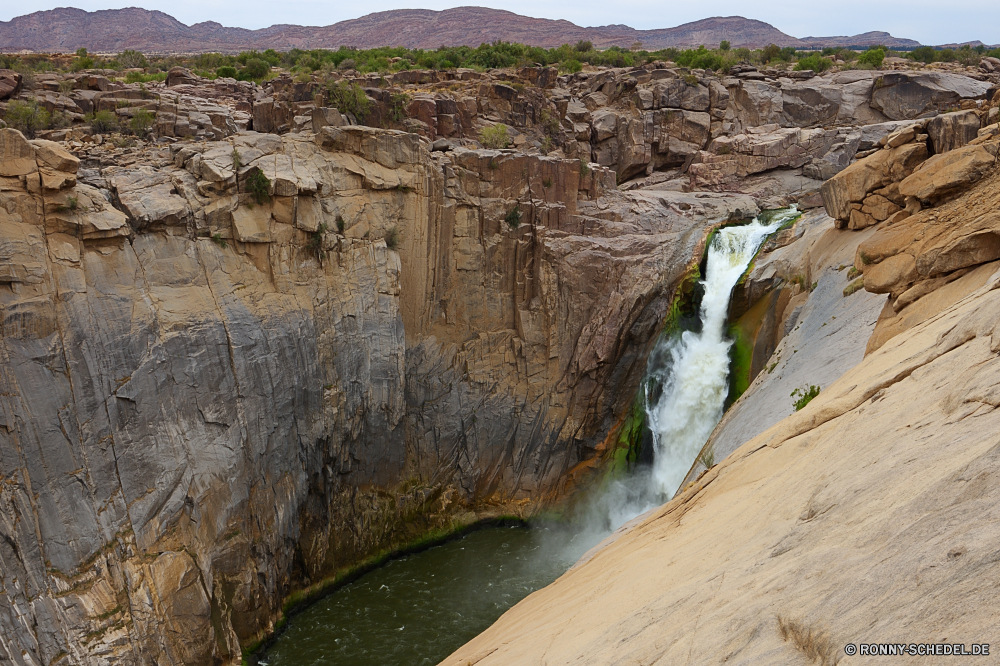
[[210, 398]]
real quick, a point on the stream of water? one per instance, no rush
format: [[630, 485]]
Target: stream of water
[[417, 609], [691, 376]]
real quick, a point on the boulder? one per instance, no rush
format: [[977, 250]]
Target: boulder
[[761, 149], [54, 156], [947, 173], [10, 83], [905, 95], [810, 104], [17, 156], [952, 130], [681, 94], [678, 135], [180, 76], [326, 117], [856, 182], [752, 104]]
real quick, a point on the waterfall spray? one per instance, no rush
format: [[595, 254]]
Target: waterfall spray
[[695, 381]]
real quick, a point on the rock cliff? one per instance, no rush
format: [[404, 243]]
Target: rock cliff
[[214, 394], [869, 516]]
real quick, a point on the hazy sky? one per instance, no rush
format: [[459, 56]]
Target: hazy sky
[[926, 21]]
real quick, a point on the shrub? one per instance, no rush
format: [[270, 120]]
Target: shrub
[[513, 217], [397, 106], [254, 70], [392, 237], [583, 46], [226, 71], [130, 59], [771, 52], [494, 136], [347, 64], [219, 240], [547, 182], [872, 57], [855, 286], [340, 224], [315, 243], [572, 66], [349, 98], [924, 54], [815, 62], [584, 169], [259, 186], [27, 116], [139, 77], [141, 123], [804, 396], [724, 45], [102, 122]]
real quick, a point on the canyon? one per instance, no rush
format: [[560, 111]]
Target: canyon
[[271, 341]]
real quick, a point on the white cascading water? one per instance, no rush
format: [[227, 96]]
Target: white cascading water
[[696, 381]]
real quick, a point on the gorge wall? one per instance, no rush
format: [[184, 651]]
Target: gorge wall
[[215, 395], [209, 400]]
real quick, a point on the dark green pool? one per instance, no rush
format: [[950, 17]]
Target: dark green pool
[[418, 609]]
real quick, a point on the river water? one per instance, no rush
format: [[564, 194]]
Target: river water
[[418, 609]]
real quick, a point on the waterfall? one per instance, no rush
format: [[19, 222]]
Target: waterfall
[[694, 381]]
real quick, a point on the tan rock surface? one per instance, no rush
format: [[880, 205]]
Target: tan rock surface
[[207, 403], [870, 516]]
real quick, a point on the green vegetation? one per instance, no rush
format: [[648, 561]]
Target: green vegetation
[[226, 71], [131, 59], [857, 285], [547, 182], [27, 116], [237, 160], [340, 224], [707, 459], [219, 240], [349, 98], [814, 62], [102, 122], [495, 136], [513, 217], [392, 237], [803, 396], [72, 203], [142, 123], [873, 57], [315, 244], [139, 77], [630, 434], [259, 186]]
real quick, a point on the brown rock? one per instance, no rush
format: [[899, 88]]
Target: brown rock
[[890, 274], [17, 156], [942, 175], [952, 130], [10, 83]]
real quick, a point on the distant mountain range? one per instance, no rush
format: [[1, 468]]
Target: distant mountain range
[[109, 31]]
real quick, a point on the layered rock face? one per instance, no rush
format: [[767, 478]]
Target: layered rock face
[[867, 517], [212, 396]]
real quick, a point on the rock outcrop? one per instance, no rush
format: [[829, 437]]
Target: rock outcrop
[[810, 536], [214, 394]]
